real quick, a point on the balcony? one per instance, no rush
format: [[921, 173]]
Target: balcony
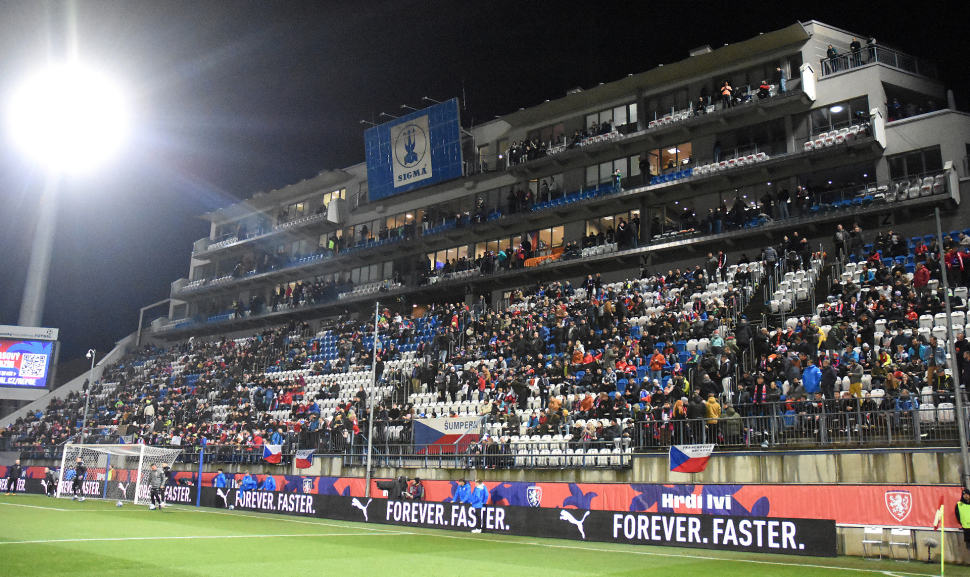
[[728, 174], [879, 55]]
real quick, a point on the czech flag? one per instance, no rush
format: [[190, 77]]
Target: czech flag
[[304, 459], [272, 454], [690, 458]]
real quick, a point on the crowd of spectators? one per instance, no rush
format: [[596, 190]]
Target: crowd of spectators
[[661, 359]]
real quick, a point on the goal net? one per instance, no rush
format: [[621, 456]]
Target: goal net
[[116, 472]]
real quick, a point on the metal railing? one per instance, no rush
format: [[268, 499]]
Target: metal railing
[[806, 425], [554, 452], [878, 55]]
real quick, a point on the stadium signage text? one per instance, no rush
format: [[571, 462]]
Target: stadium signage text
[[445, 515], [275, 502], [764, 535]]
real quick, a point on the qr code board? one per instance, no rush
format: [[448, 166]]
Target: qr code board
[[33, 366]]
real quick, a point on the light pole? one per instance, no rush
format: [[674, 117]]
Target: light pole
[[370, 401], [68, 119], [87, 394]]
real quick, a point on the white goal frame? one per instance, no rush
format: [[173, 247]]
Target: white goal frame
[[98, 458]]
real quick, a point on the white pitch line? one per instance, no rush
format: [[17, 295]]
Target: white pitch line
[[284, 519], [83, 540], [34, 506]]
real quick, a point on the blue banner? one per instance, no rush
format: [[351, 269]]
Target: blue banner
[[416, 150]]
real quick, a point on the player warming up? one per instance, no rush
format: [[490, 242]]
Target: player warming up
[[50, 482], [13, 474], [155, 481], [80, 473]]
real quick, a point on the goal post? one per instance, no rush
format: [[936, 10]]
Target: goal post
[[117, 472]]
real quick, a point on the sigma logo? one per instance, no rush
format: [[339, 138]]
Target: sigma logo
[[307, 485], [412, 158], [534, 496], [899, 504]]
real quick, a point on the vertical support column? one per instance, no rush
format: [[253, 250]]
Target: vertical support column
[[107, 469], [141, 460], [198, 480], [35, 289], [370, 402], [57, 494]]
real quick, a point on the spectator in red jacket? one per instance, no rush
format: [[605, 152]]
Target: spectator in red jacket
[[920, 279]]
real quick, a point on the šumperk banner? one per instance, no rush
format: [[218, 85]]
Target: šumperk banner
[[883, 505]]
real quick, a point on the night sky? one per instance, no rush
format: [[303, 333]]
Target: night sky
[[231, 98]]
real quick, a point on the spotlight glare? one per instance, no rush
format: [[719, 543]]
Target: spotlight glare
[[68, 117]]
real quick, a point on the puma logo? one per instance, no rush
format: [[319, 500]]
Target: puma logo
[[225, 497], [567, 516], [363, 507]]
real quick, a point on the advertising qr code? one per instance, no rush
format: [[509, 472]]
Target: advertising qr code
[[33, 366]]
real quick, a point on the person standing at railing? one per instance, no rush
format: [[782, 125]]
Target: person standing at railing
[[726, 94], [782, 81], [831, 53], [855, 48]]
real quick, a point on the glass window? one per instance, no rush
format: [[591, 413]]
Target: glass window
[[592, 175], [620, 164], [633, 113], [932, 159], [606, 171], [619, 114], [545, 237], [634, 162]]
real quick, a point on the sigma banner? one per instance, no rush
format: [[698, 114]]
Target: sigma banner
[[785, 536], [448, 434], [416, 150]]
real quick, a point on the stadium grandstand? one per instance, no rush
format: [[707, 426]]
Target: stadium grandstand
[[737, 249]]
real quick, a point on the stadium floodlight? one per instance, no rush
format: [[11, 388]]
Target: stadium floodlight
[[68, 117]]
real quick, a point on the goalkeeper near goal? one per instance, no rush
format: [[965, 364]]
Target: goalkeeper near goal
[[156, 479], [80, 474]]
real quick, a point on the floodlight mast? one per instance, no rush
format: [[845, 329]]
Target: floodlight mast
[[35, 287]]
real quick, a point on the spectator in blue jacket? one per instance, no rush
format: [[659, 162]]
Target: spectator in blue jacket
[[268, 484], [811, 377], [478, 500], [277, 438], [219, 481], [906, 403], [463, 493]]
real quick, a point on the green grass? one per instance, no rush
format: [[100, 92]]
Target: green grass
[[41, 536]]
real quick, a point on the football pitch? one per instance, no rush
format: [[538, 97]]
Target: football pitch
[[57, 537]]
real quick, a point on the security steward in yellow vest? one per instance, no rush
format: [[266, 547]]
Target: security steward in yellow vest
[[963, 515]]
